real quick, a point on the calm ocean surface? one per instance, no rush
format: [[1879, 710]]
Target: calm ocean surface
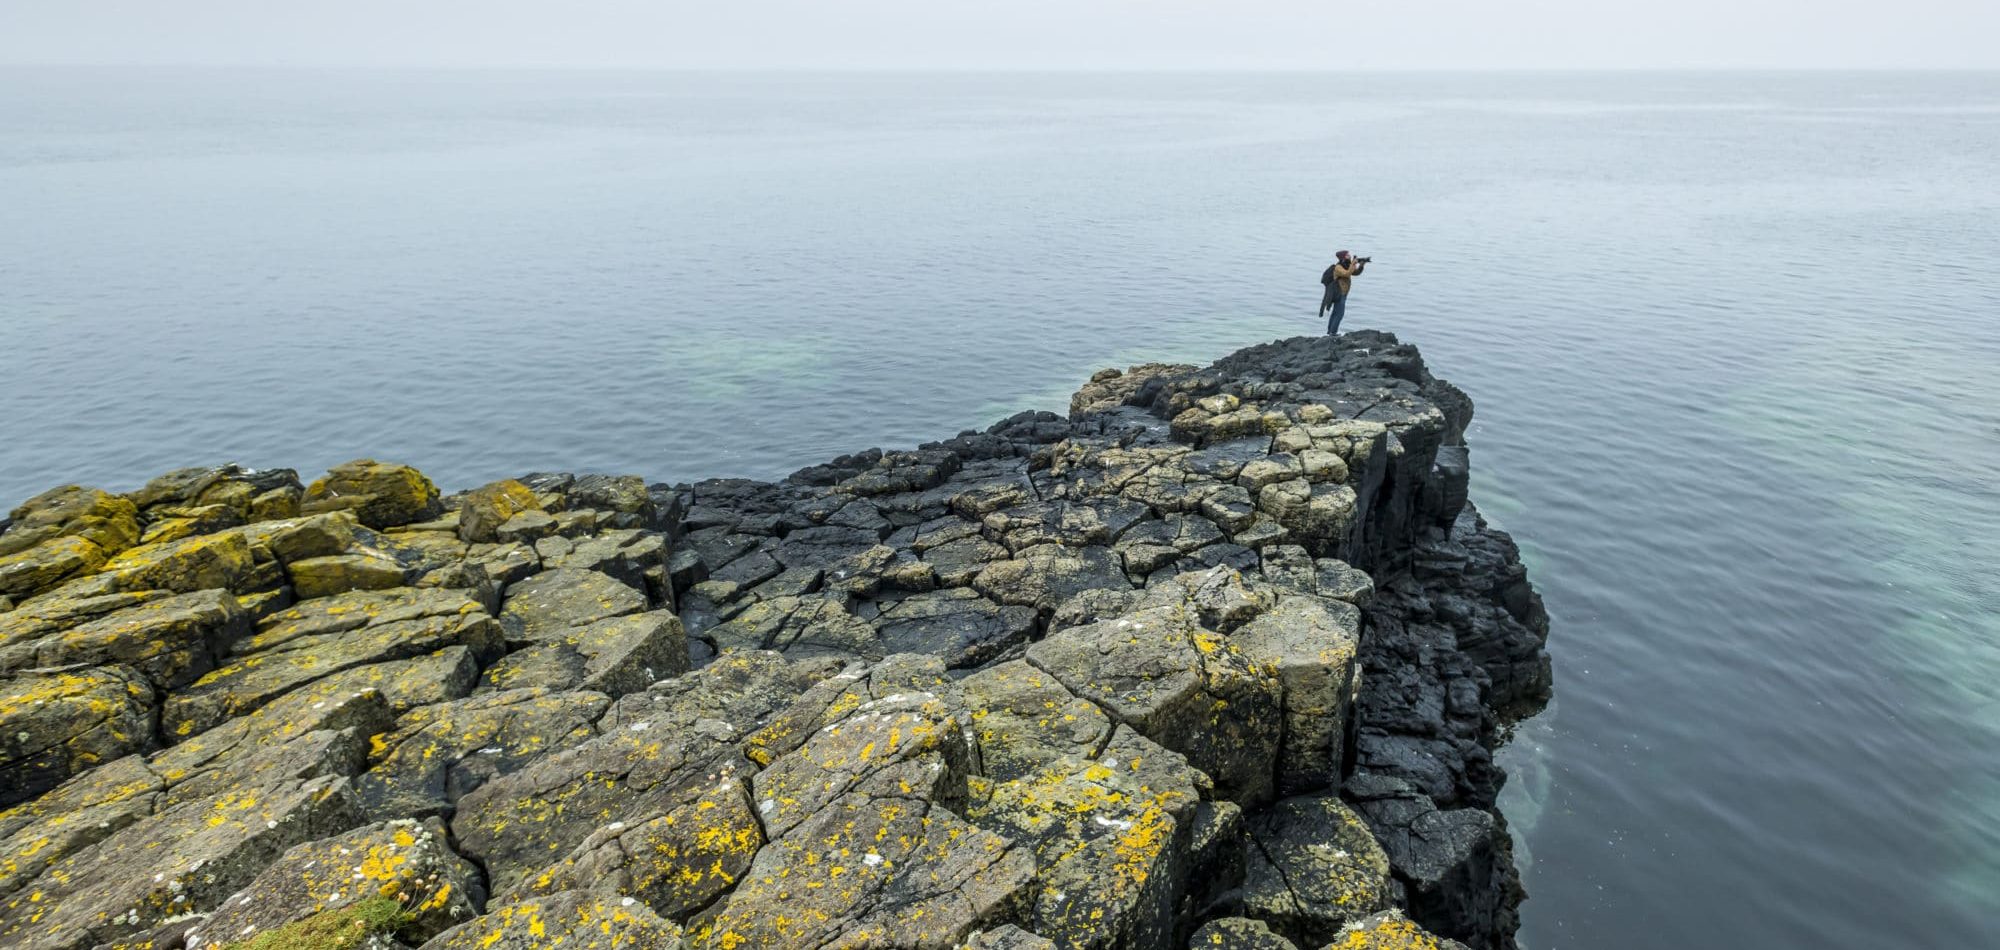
[[1734, 339]]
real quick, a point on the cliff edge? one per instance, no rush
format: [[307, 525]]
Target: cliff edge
[[1218, 660]]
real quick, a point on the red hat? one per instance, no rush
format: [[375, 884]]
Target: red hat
[[1342, 255]]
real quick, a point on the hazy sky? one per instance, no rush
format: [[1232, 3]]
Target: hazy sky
[[1112, 34]]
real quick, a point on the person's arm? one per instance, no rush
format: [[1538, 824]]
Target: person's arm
[[1339, 271]]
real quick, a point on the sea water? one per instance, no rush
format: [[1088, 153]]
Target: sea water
[[1734, 341]]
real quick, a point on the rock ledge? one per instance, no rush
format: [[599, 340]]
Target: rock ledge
[[1217, 660]]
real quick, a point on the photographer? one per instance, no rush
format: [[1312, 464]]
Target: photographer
[[1338, 279]]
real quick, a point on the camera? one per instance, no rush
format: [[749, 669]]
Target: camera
[[1365, 260]]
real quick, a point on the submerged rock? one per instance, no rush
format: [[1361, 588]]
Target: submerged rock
[[1217, 660]]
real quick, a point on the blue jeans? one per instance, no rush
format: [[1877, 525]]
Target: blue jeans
[[1334, 305]]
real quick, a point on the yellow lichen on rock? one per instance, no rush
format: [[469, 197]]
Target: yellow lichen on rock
[[483, 510], [1390, 930], [381, 495]]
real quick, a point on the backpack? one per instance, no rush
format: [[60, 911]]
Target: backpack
[[1328, 278]]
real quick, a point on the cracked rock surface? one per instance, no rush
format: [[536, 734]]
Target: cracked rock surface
[[1219, 659]]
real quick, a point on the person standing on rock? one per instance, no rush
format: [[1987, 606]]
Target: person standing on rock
[[1338, 279]]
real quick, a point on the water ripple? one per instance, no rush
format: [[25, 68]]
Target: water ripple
[[1731, 340]]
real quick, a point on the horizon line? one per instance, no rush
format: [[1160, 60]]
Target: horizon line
[[1008, 69]]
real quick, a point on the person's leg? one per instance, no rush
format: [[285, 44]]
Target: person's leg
[[1339, 310]]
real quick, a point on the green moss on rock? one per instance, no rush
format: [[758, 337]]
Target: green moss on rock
[[342, 928]]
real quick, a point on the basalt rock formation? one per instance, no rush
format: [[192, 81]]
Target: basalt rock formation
[[1217, 660]]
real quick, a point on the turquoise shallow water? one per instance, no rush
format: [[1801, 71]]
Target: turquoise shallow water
[[1732, 338]]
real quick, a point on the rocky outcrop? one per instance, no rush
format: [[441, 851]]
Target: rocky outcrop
[[1219, 659]]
